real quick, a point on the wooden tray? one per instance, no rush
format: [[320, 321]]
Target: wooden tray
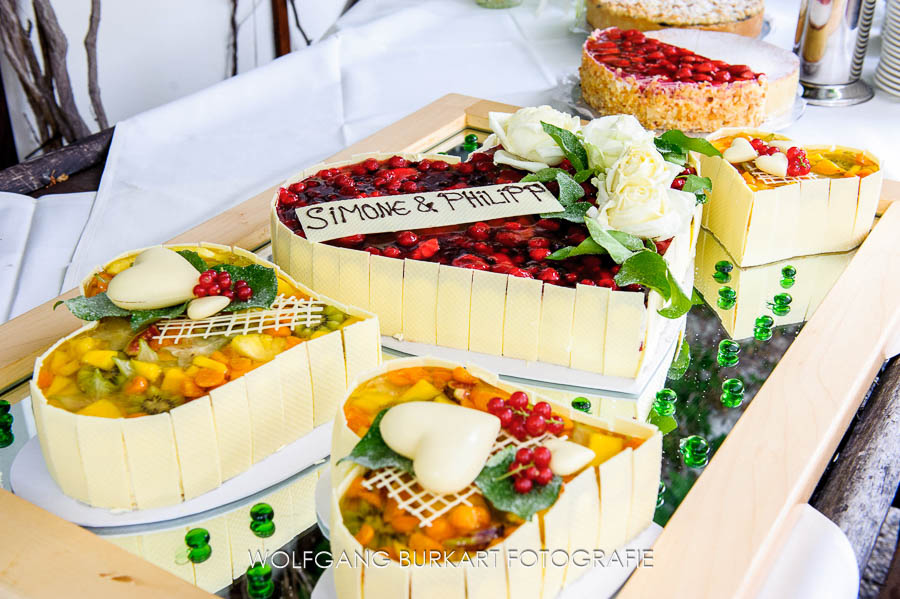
[[734, 518]]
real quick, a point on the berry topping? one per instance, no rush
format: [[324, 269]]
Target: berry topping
[[213, 282]]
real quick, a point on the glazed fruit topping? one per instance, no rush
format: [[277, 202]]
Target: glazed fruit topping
[[517, 246], [636, 54], [219, 283]]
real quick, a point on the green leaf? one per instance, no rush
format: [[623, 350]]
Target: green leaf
[[617, 250], [139, 318], [681, 362], [699, 186], [570, 145], [194, 258], [373, 453], [582, 176], [588, 246], [674, 137], [499, 489], [671, 152], [632, 242], [650, 270], [261, 279], [94, 308], [545, 175], [696, 298], [665, 424], [569, 193]]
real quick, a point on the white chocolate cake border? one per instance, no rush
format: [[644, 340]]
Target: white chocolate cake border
[[428, 303], [814, 216], [582, 518], [164, 459]]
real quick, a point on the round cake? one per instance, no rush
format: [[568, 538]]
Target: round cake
[[743, 17], [686, 78]]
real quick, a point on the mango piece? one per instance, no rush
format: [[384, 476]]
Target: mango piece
[[148, 370], [119, 265], [441, 398], [63, 364], [826, 167], [604, 447], [256, 346], [84, 345], [100, 358], [102, 408], [173, 379], [60, 385], [372, 401], [204, 362], [421, 391]]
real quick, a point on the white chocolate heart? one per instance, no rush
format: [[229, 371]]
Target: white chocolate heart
[[740, 150], [204, 307], [448, 444], [566, 457], [159, 278], [776, 164]]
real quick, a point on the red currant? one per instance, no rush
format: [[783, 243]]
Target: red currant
[[535, 425], [206, 278], [541, 456], [518, 400], [555, 426], [243, 293], [505, 414], [545, 475], [522, 485], [549, 275], [524, 455], [213, 289], [200, 290], [538, 254], [531, 472], [392, 252], [397, 162], [229, 294], [494, 404], [224, 280], [542, 408], [517, 429]]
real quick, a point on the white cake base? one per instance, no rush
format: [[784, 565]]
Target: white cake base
[[30, 480]]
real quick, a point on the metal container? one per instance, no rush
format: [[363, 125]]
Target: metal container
[[831, 41]]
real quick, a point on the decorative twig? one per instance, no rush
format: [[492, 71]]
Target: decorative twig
[[234, 38], [297, 23], [90, 47]]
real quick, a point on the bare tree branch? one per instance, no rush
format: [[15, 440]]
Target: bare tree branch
[[55, 45], [234, 38], [90, 47], [297, 23]]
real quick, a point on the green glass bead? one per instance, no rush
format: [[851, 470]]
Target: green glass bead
[[781, 304], [729, 347], [694, 451], [732, 393], [6, 438], [724, 266], [762, 333], [664, 404], [582, 404], [4, 406], [788, 272], [6, 421], [262, 520], [727, 293], [660, 500], [765, 321], [470, 142], [198, 541], [725, 303], [787, 283], [727, 360], [721, 277], [259, 581]]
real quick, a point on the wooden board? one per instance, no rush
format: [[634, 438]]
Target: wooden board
[[736, 513]]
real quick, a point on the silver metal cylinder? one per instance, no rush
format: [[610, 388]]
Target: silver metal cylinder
[[831, 41]]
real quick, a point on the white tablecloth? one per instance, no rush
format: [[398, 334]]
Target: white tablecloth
[[180, 164]]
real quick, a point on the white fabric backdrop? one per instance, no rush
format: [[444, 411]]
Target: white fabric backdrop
[[180, 164]]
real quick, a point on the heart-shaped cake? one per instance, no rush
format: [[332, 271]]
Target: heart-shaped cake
[[147, 408], [539, 488]]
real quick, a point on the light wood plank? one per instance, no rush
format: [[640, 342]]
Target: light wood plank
[[779, 448]]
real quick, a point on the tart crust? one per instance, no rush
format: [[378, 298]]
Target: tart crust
[[437, 303], [164, 459], [810, 216], [581, 519], [741, 18]]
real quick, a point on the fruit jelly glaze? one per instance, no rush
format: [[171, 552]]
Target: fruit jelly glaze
[[517, 246], [638, 55]]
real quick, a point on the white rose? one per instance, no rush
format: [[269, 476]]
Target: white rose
[[636, 196], [525, 144], [607, 138]]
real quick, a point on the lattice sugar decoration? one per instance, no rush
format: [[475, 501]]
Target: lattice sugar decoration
[[427, 507], [774, 180], [285, 311]]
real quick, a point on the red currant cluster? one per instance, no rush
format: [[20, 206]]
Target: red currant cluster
[[219, 283], [523, 421], [798, 164], [531, 467], [679, 181]]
